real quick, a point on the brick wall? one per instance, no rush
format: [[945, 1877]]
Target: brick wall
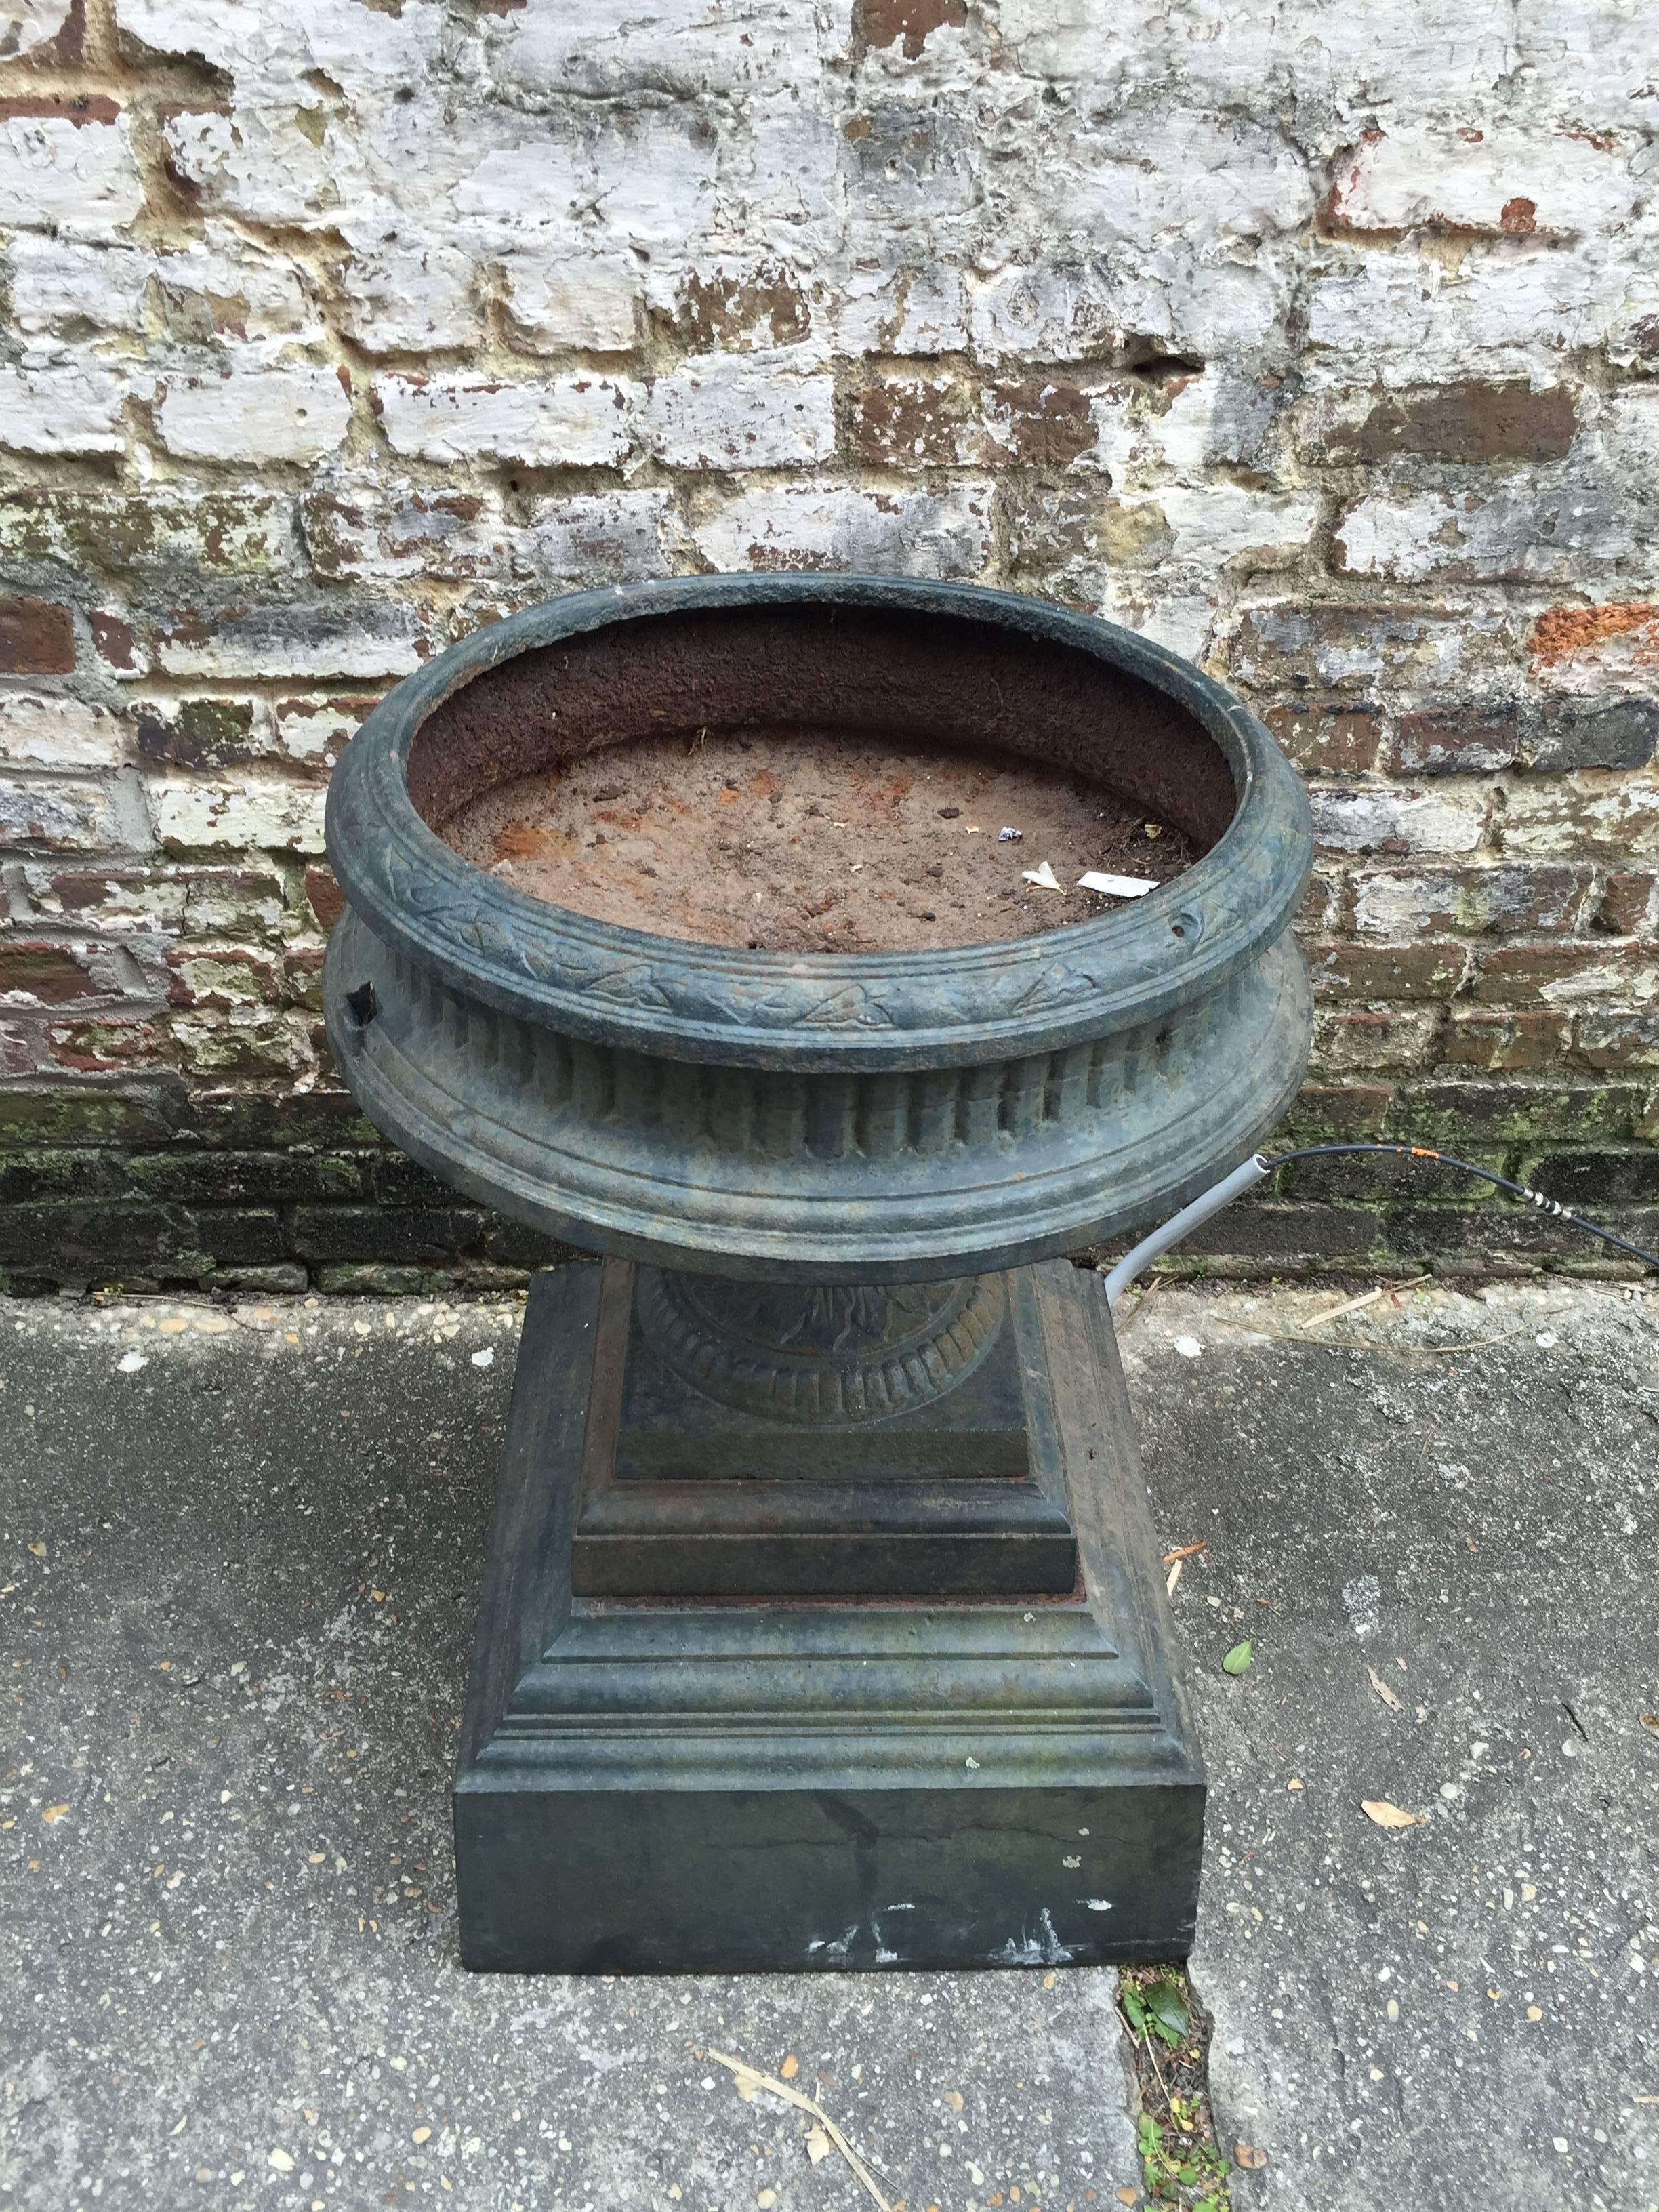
[[1321, 343]]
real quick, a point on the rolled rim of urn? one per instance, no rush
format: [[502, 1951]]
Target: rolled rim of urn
[[831, 1117]]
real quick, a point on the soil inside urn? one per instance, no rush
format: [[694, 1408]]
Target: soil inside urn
[[811, 840]]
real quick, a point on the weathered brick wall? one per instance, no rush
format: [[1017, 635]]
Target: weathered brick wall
[[1321, 343]]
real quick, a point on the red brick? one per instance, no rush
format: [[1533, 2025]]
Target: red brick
[[1327, 736], [1450, 740], [1614, 1041], [324, 897], [114, 1041], [1038, 423], [47, 974], [1387, 971], [1561, 973], [37, 638], [1462, 421], [1629, 908], [911, 423], [1520, 1043]]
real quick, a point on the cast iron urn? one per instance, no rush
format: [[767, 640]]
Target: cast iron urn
[[821, 1625]]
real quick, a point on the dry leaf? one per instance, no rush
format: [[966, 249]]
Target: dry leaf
[[1248, 2155], [38, 1550], [1128, 2195], [1384, 1691], [790, 2068], [1389, 1816], [819, 2145], [53, 1814], [1650, 1721]]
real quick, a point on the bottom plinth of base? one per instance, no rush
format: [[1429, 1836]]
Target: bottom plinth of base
[[690, 1786]]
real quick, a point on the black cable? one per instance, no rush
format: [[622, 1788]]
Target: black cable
[[1447, 1159]]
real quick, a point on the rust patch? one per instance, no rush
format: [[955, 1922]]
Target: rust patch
[[1561, 630]]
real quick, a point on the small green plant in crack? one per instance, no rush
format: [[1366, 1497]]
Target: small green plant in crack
[[1181, 2164]]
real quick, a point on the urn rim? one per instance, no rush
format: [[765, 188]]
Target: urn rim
[[824, 1012]]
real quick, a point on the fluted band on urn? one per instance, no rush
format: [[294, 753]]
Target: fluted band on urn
[[819, 1117]]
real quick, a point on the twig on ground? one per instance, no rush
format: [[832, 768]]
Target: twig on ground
[[1365, 1298], [748, 2080]]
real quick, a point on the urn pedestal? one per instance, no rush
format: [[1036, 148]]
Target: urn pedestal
[[822, 1623]]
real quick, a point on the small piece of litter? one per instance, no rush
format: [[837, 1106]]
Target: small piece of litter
[[819, 2145], [1546, 1340], [1007, 836], [1097, 879], [53, 1814], [1042, 875], [789, 2068], [130, 1363], [486, 1357], [1174, 1578], [1389, 1816], [1188, 1346], [1384, 1691]]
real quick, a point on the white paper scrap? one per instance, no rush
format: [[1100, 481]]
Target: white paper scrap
[[1116, 886], [1042, 875]]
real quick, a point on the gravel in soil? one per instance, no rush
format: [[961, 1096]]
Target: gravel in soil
[[812, 841]]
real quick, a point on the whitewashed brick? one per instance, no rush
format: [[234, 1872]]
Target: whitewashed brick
[[59, 733], [1592, 815], [610, 47], [599, 538], [77, 176], [363, 528], [558, 301], [59, 284], [62, 814], [570, 421], [324, 640], [26, 24], [1560, 183], [294, 414], [922, 310], [219, 287], [263, 816], [1224, 523], [1044, 311], [742, 411], [1379, 817], [810, 525], [71, 407], [411, 299], [315, 731], [1565, 525]]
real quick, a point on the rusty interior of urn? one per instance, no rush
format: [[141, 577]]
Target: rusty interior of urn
[[816, 779]]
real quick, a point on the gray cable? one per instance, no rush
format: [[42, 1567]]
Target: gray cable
[[1182, 1223]]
